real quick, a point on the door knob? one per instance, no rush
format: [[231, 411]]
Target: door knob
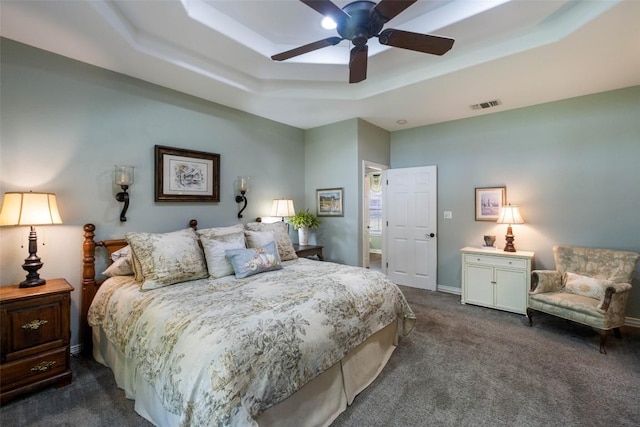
[[430, 235]]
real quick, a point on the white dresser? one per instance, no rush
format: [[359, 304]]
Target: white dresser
[[496, 279]]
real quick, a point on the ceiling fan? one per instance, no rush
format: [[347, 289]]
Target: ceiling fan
[[361, 20]]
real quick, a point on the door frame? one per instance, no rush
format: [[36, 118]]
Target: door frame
[[368, 167]]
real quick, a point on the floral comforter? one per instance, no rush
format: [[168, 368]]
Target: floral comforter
[[220, 352]]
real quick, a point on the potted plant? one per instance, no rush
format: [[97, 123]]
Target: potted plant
[[303, 221]]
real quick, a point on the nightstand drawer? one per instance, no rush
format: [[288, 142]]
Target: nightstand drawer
[[36, 325], [34, 368], [495, 261]]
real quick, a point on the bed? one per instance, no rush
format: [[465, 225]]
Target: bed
[[289, 345]]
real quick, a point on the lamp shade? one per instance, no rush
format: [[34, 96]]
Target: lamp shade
[[282, 208], [29, 209], [510, 214]]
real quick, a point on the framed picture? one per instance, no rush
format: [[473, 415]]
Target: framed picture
[[489, 200], [330, 201], [186, 175]]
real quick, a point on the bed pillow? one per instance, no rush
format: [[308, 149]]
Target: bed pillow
[[283, 242], [214, 252], [256, 239], [169, 258], [219, 231], [120, 267], [585, 286], [247, 262], [121, 253]]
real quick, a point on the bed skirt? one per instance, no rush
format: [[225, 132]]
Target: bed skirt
[[318, 403]]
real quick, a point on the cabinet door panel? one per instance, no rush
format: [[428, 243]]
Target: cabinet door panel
[[511, 290], [479, 285]]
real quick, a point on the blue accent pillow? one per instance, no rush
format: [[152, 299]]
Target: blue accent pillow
[[247, 262]]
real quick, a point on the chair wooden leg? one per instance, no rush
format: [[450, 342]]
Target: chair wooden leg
[[529, 314], [603, 340], [617, 333]]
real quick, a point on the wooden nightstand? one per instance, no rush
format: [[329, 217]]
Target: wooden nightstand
[[304, 251], [35, 350]]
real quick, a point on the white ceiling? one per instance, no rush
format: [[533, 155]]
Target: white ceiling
[[520, 52]]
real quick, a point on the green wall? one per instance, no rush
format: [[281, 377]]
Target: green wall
[[65, 125], [571, 166]]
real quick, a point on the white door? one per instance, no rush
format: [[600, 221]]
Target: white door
[[366, 232], [411, 224]]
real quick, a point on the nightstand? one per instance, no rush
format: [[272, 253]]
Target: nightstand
[[304, 251], [35, 326]]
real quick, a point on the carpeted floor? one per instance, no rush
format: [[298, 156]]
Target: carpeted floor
[[461, 366]]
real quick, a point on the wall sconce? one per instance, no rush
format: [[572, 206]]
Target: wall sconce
[[510, 214], [124, 178], [30, 209], [243, 187]]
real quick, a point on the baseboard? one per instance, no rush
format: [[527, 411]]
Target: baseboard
[[375, 251], [76, 349], [449, 289], [632, 321]]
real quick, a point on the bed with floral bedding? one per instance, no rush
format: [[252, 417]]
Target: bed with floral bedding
[[276, 342]]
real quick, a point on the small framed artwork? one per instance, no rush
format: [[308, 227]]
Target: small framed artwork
[[489, 200], [186, 175], [330, 201]]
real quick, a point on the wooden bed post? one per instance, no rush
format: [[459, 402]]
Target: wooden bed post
[[88, 286]]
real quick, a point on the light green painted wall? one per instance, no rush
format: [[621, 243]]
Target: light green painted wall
[[66, 124], [571, 166]]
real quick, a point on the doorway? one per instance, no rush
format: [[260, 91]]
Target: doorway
[[372, 208]]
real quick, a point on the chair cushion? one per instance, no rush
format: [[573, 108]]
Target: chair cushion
[[585, 286]]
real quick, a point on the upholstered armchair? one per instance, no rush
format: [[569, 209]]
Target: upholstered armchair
[[589, 286]]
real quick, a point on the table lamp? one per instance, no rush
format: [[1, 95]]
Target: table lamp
[[30, 209], [282, 208], [510, 214]]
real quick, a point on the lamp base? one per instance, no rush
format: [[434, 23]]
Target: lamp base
[[32, 264], [510, 238]]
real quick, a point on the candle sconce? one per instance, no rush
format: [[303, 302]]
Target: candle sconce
[[243, 187], [124, 178]]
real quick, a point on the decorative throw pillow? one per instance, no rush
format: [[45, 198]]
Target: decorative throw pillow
[[120, 267], [247, 262], [585, 286], [283, 242], [219, 231], [214, 252], [256, 239], [169, 258]]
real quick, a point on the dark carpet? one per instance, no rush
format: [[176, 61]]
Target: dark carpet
[[461, 366]]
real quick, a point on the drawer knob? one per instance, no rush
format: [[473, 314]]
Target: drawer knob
[[43, 366], [34, 324]]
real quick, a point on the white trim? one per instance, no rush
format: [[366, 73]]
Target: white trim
[[375, 251], [76, 349], [449, 289], [632, 321]]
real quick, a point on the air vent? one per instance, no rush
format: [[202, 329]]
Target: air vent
[[488, 104]]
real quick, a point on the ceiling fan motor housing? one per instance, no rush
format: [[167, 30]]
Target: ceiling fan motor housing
[[362, 25]]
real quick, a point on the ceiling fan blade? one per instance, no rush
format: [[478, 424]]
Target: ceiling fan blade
[[389, 9], [358, 64], [327, 8], [425, 43], [331, 41]]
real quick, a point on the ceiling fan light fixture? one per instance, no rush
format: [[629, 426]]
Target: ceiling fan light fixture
[[328, 23]]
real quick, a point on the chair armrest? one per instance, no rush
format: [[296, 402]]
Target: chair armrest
[[545, 281], [615, 288]]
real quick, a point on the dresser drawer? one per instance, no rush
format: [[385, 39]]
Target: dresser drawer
[[495, 261], [34, 368], [33, 326]]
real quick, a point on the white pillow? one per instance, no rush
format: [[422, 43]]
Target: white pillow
[[219, 231], [285, 246], [169, 258], [121, 253], [214, 252], [120, 267], [257, 239], [585, 286]]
